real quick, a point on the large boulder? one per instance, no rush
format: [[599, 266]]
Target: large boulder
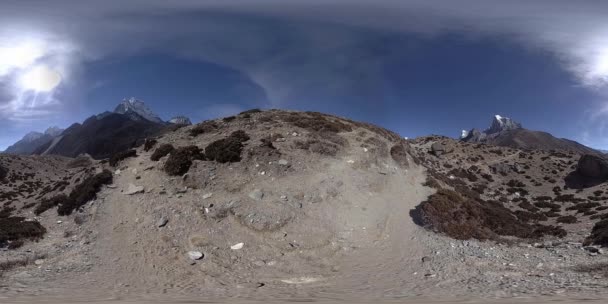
[[437, 149], [593, 166]]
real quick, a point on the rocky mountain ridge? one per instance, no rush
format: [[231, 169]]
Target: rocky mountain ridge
[[506, 132]]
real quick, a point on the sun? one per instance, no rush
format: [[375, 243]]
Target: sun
[[40, 79]]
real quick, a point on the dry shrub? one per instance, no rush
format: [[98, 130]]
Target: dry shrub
[[567, 219], [583, 207], [526, 216], [204, 127], [228, 119], [80, 162], [316, 122], [50, 203], [252, 111], [18, 229], [180, 160], [599, 234], [84, 192], [227, 149], [462, 173], [149, 144], [117, 157], [463, 218], [161, 152], [3, 173]]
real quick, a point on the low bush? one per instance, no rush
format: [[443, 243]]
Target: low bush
[[50, 203], [227, 149], [567, 219], [526, 216], [180, 160], [583, 207], [599, 234], [204, 127], [18, 229], [228, 119], [161, 152], [463, 218], [117, 157], [316, 122], [84, 192], [250, 111], [3, 173], [547, 205], [462, 173], [149, 144]]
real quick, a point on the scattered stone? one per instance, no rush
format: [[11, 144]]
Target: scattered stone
[[237, 246], [117, 172], [256, 194], [207, 195], [283, 162], [39, 262], [195, 255], [132, 189], [162, 222], [426, 259], [592, 249]]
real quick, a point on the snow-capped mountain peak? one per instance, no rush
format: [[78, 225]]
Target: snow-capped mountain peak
[[32, 136], [180, 120], [464, 134], [133, 105], [53, 131], [500, 123]]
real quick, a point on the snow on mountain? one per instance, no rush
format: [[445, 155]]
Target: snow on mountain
[[180, 120], [500, 124], [133, 105], [53, 131], [32, 136], [464, 134]]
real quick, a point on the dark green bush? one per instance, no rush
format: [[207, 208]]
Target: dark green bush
[[84, 192], [161, 152], [227, 149], [117, 157], [149, 144], [180, 160]]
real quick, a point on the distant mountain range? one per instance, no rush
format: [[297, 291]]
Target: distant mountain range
[[31, 141], [504, 131], [100, 135]]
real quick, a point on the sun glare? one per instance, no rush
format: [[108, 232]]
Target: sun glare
[[20, 56], [40, 79]]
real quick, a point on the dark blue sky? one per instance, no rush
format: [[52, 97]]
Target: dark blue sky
[[434, 85], [418, 68]]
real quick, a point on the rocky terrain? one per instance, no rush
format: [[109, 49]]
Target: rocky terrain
[[292, 205]]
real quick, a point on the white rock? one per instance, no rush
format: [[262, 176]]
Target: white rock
[[134, 189], [256, 194], [117, 172], [283, 162], [39, 262], [237, 246], [195, 255], [208, 195], [350, 161], [134, 171]]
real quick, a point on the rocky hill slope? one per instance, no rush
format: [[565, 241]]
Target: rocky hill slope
[[275, 204]]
